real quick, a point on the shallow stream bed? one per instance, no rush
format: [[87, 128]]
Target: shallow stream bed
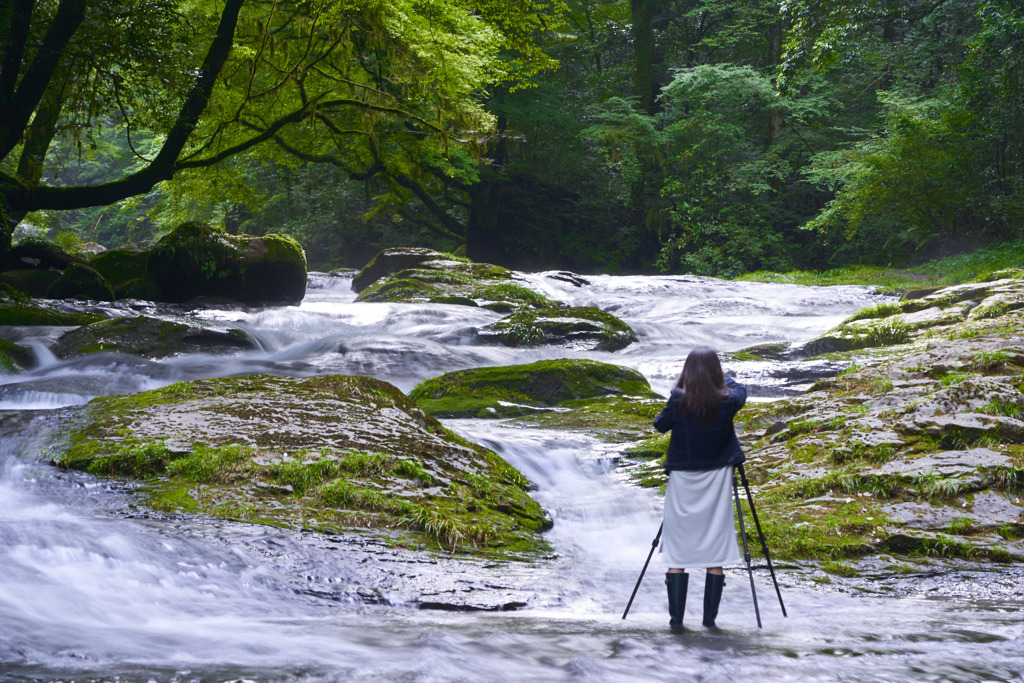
[[93, 587]]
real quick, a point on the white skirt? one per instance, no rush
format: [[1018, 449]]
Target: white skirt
[[699, 527]]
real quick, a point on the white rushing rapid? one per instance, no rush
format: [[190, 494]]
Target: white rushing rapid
[[94, 588]]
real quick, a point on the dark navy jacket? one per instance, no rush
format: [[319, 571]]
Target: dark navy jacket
[[695, 446]]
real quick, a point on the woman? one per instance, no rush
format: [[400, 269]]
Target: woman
[[702, 451]]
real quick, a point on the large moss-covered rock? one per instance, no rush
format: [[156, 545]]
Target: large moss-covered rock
[[121, 264], [197, 260], [275, 270], [80, 282], [140, 288], [521, 389], [391, 261], [325, 453], [579, 327], [151, 338]]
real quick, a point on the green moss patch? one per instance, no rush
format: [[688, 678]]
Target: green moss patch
[[965, 311], [13, 357], [515, 389], [611, 418], [29, 313], [324, 453], [400, 290]]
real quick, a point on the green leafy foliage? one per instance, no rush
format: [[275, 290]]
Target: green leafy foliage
[[889, 130]]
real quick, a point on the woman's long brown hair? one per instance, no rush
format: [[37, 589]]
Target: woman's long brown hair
[[703, 384]]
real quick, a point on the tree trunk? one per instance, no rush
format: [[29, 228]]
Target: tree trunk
[[38, 137], [483, 230], [18, 106], [483, 237], [775, 33], [642, 32]]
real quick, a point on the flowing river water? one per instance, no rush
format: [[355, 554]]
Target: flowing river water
[[94, 588]]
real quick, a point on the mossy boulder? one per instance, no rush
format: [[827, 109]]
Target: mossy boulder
[[579, 327], [196, 260], [409, 290], [424, 275], [324, 453], [121, 264], [767, 351], [151, 338], [391, 261], [275, 270], [522, 389], [32, 281], [80, 282]]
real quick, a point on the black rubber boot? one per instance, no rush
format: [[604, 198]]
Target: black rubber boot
[[713, 585], [676, 583]]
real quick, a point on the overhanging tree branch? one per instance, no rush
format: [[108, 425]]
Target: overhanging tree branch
[[436, 229], [436, 209], [270, 132], [165, 163]]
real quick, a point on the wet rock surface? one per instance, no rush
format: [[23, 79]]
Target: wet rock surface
[[921, 453], [577, 327], [151, 338]]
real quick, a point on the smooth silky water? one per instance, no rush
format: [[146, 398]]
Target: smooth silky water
[[94, 588]]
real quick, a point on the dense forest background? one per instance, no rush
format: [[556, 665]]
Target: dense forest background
[[700, 136]]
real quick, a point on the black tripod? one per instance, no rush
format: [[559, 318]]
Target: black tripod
[[743, 534], [746, 550]]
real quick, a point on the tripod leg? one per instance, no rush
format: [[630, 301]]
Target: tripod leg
[[746, 549], [654, 544], [760, 535]]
